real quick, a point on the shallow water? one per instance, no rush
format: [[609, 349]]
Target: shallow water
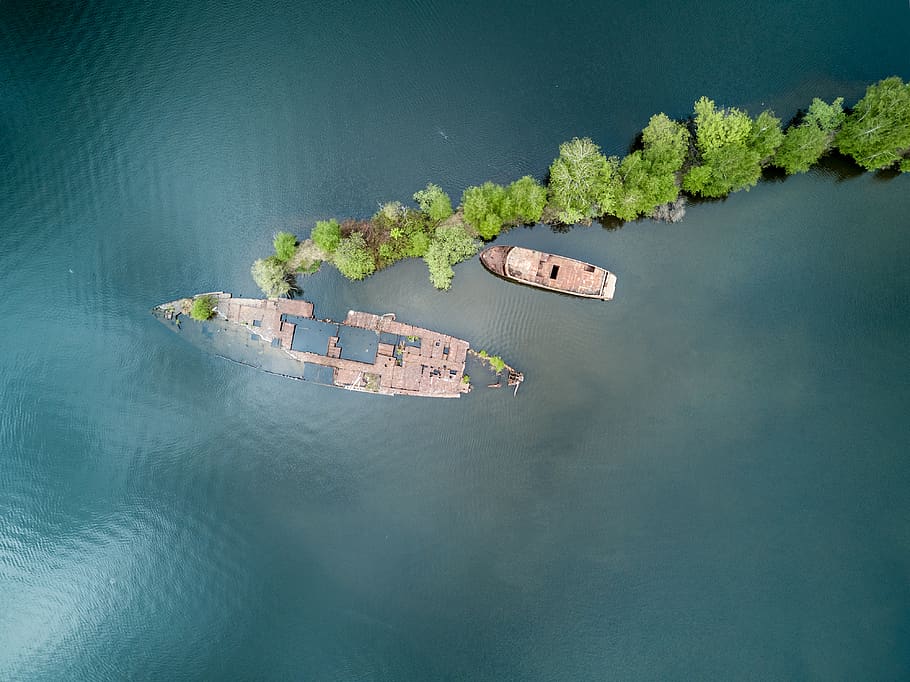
[[705, 478]]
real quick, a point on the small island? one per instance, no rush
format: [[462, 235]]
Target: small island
[[716, 151]]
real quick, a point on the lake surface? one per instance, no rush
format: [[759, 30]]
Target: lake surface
[[706, 478]]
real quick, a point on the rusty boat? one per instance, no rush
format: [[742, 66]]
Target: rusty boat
[[549, 271], [364, 352]]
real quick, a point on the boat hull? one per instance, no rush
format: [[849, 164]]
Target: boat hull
[[549, 271]]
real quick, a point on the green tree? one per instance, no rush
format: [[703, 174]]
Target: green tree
[[270, 276], [666, 144], [766, 136], [203, 308], [434, 202], [450, 245], [485, 208], [353, 258], [804, 144], [732, 149], [326, 235], [715, 129], [877, 133], [643, 187], [827, 117], [584, 183], [285, 246], [526, 200]]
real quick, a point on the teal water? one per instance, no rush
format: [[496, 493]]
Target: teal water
[[706, 478]]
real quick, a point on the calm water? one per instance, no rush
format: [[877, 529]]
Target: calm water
[[706, 478]]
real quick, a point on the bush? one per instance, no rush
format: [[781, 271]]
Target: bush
[[353, 258], [271, 276], [877, 133], [583, 182], [484, 208], [434, 202], [285, 246], [526, 201], [326, 235], [203, 308], [450, 245]]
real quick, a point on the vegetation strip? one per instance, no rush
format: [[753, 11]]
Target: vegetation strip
[[712, 154]]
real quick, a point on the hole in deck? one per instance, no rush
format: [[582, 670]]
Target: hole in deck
[[554, 271]]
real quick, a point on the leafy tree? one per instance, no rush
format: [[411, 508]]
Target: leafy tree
[[485, 208], [732, 149], [526, 200], [804, 144], [450, 245], [285, 246], [716, 129], [203, 308], [326, 235], [725, 169], [434, 202], [827, 117], [353, 258], [271, 276], [643, 187], [766, 135], [583, 182], [877, 133], [666, 144]]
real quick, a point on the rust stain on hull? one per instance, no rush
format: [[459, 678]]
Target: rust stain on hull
[[549, 271]]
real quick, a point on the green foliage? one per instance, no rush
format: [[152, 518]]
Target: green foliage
[[285, 246], [766, 135], [725, 169], [803, 145], [643, 188], [526, 200], [434, 202], [877, 133], [353, 258], [491, 207], [666, 144], [583, 182], [271, 276], [485, 208], [720, 128], [496, 362], [326, 235], [905, 165], [826, 117], [203, 308], [733, 149], [450, 245]]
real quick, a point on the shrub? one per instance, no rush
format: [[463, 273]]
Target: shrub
[[203, 308], [526, 200], [434, 202], [326, 235], [270, 276], [450, 245], [583, 182], [353, 258], [285, 246]]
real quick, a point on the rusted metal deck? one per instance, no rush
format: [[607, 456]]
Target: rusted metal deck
[[365, 352], [549, 271]]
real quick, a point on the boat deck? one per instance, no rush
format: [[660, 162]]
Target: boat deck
[[365, 352], [549, 271]]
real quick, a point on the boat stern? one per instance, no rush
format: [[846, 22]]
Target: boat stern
[[494, 259]]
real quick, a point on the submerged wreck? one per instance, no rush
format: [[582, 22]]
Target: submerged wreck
[[549, 271], [365, 352]]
